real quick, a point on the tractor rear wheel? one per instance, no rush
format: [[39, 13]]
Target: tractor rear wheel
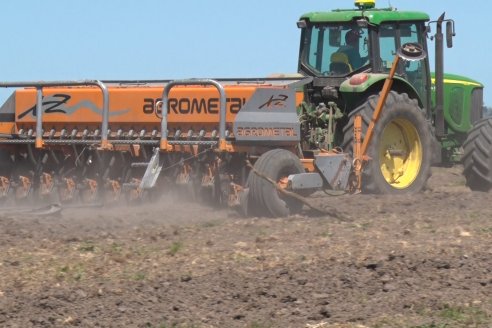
[[400, 150], [477, 157], [264, 198]]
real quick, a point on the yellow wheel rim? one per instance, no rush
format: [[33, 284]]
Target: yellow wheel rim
[[400, 153]]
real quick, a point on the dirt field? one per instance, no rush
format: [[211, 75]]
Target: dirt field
[[416, 261]]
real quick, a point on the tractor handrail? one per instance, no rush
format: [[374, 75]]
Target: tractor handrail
[[164, 143], [39, 103]]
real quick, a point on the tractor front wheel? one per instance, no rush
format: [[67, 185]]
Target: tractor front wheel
[[400, 151]]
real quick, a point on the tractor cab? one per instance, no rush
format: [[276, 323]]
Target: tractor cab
[[351, 46]]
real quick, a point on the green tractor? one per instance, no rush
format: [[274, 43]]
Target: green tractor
[[426, 117]]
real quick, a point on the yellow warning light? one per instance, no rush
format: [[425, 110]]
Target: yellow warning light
[[365, 4]]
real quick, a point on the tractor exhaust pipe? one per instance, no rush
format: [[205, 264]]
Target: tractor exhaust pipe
[[440, 124]]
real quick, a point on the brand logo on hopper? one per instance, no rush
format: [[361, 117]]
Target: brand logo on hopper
[[57, 103], [275, 102], [191, 106]]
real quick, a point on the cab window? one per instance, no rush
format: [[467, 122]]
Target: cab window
[[336, 50]]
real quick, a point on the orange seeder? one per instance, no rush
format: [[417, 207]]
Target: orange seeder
[[97, 141]]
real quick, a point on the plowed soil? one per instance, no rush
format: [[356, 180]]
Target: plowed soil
[[420, 260]]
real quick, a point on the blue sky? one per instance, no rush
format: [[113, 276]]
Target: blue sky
[[162, 39]]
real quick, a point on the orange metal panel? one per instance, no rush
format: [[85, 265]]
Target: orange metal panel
[[308, 164], [7, 127], [299, 97], [130, 104]]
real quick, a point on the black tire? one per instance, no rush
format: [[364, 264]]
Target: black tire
[[401, 146], [264, 199], [477, 157]]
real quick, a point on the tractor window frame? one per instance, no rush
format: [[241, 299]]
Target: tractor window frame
[[317, 48], [420, 33]]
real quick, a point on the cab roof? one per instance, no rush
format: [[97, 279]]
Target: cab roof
[[374, 16]]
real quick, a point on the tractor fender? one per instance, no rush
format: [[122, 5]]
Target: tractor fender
[[374, 83]]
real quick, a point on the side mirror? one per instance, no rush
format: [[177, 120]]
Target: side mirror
[[449, 33]]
